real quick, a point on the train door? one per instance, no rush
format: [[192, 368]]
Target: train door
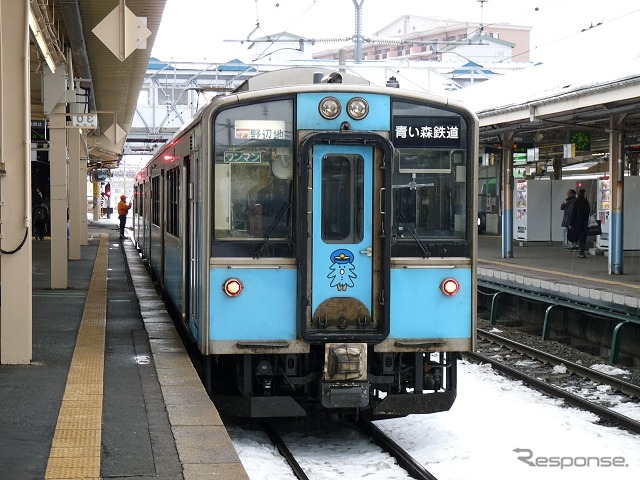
[[194, 237], [146, 226], [185, 213], [342, 241]]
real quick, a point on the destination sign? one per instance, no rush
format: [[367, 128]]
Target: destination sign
[[260, 130], [426, 131]]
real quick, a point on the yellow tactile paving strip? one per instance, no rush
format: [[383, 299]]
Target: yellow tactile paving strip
[[75, 451]]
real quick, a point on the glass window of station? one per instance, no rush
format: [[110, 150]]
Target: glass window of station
[[430, 181], [253, 177]]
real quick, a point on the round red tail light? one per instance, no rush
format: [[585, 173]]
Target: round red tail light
[[232, 287], [449, 287]]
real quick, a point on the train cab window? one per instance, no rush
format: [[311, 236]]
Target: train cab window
[[342, 199], [253, 179], [430, 206]]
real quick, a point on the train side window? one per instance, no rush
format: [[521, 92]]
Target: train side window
[[173, 201], [155, 200]]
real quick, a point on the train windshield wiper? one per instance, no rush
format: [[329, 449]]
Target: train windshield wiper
[[414, 234], [283, 209]]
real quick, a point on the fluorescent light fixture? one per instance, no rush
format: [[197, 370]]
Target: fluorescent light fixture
[[35, 28]]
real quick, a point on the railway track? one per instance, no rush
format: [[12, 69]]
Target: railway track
[[406, 461], [576, 384], [370, 432], [281, 445]]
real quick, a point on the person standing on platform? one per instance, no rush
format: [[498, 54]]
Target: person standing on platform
[[567, 208], [123, 209], [580, 220], [40, 219]]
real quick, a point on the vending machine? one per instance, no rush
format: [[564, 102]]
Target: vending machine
[[531, 211], [603, 200]]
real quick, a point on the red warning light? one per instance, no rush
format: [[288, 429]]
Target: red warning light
[[232, 287], [449, 287]]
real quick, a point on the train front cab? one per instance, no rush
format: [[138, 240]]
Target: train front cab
[[358, 289]]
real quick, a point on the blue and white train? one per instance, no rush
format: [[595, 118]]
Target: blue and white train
[[316, 238]]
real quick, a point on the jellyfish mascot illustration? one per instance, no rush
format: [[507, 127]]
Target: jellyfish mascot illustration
[[342, 270]]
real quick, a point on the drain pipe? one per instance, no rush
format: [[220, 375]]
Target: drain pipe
[[73, 19], [27, 126]]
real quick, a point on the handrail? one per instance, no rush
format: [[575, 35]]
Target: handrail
[[625, 318]]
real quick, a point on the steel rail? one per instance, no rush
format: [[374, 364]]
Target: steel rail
[[579, 402], [406, 461], [586, 372], [284, 451]]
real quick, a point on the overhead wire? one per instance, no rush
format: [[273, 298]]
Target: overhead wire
[[603, 22], [484, 26], [566, 37], [266, 52]]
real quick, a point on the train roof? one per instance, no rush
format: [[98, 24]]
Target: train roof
[[298, 76], [302, 79]]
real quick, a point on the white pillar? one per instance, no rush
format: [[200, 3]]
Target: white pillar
[[96, 201], [76, 201], [15, 185], [84, 223], [58, 209]]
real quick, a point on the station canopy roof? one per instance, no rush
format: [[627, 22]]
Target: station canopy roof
[[551, 104], [111, 84]]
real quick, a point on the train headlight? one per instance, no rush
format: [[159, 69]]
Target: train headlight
[[232, 287], [357, 108], [449, 287], [329, 108]]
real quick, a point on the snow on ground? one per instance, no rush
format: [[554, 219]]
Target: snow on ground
[[609, 369], [497, 429]]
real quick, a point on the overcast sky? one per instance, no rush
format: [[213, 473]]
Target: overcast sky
[[199, 30]]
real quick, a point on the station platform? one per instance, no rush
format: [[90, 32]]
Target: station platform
[[549, 267], [111, 391]]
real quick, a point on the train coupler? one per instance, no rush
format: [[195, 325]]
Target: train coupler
[[345, 394], [345, 382]]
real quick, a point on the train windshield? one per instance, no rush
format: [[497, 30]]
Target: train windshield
[[253, 173], [430, 182]]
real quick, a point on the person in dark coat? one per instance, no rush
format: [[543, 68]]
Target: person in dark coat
[[580, 220], [567, 208], [40, 219]]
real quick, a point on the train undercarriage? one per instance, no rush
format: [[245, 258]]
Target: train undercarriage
[[392, 384]]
